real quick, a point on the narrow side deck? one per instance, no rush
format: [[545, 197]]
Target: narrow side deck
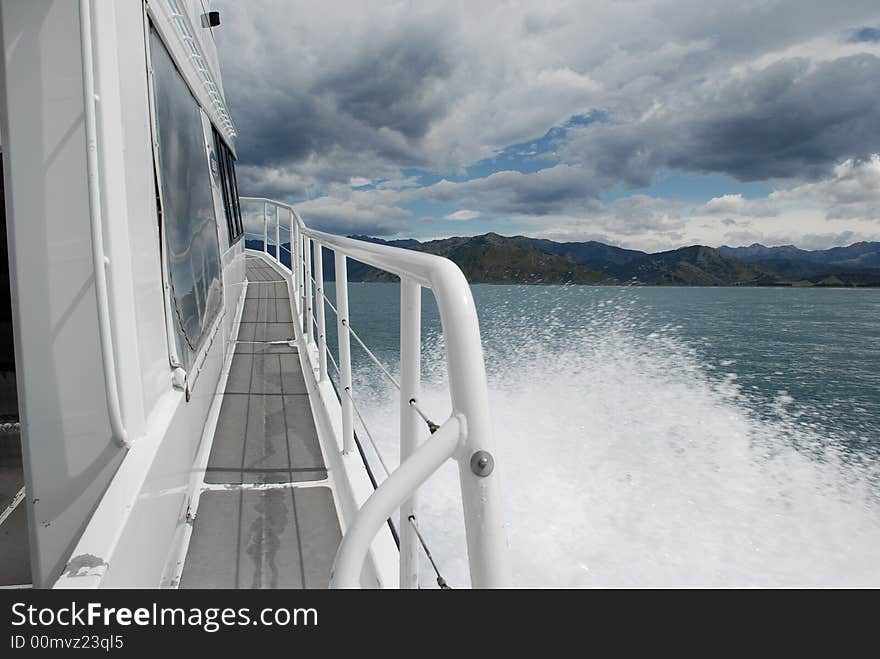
[[266, 517], [15, 565]]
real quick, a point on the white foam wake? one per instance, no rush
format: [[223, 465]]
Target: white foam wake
[[624, 461]]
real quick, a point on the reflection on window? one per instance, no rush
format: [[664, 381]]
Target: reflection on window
[[188, 222]]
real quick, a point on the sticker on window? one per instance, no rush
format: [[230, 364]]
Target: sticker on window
[[215, 167]]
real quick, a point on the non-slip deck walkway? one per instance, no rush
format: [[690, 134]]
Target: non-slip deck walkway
[[15, 565], [264, 519]]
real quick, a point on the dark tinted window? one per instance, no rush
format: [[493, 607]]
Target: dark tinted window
[[188, 222], [229, 188]]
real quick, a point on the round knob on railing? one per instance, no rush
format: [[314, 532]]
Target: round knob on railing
[[482, 463]]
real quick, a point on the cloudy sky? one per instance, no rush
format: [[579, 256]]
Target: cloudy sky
[[644, 123]]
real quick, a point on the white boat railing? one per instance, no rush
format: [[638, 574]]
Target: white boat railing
[[465, 437]]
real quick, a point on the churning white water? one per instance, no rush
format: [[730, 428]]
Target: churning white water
[[626, 461]]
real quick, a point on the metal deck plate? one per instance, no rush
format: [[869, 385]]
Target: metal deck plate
[[15, 560], [263, 332], [261, 373], [265, 439], [253, 348], [11, 469], [266, 289], [278, 538], [285, 536], [258, 270], [15, 568], [265, 432], [267, 310]]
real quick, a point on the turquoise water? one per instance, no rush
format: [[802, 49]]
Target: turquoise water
[[661, 436]]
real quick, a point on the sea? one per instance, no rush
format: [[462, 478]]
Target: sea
[[654, 436]]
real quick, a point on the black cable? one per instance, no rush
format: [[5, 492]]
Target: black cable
[[363, 455]]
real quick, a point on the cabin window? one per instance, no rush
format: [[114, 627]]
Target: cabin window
[[188, 223], [229, 188]]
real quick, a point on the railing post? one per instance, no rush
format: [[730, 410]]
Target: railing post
[[295, 263], [344, 352], [266, 227], [488, 555], [277, 234], [302, 279], [411, 426], [307, 250], [355, 545], [319, 309]]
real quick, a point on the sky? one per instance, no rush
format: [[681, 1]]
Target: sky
[[649, 124]]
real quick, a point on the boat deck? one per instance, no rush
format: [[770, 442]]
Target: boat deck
[[15, 565], [266, 517]]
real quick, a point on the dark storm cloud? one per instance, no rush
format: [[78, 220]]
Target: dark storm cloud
[[384, 88], [292, 126], [865, 35], [792, 119], [333, 112], [552, 190]]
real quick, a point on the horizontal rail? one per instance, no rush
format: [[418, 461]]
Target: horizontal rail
[[434, 272], [264, 200], [430, 456], [473, 447]]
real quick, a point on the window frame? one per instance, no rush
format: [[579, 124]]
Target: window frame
[[192, 361], [228, 188]]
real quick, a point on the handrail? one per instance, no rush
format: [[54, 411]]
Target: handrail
[[99, 258], [387, 498], [473, 449], [266, 200]]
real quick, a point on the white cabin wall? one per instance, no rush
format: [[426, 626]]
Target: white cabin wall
[[68, 452], [70, 459], [138, 522], [121, 250], [143, 218], [144, 540]]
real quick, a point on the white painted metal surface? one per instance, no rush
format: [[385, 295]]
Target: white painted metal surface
[[429, 457], [278, 235], [487, 545], [308, 328], [412, 428], [101, 262], [319, 312], [69, 453], [87, 495], [199, 58], [344, 341], [266, 228]]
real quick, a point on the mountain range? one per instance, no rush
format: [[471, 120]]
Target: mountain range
[[496, 259]]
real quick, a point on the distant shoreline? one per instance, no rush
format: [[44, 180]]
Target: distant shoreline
[[618, 285], [494, 259]]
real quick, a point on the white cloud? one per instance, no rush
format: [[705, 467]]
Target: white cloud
[[346, 216], [852, 193], [399, 183], [736, 204], [463, 214]]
